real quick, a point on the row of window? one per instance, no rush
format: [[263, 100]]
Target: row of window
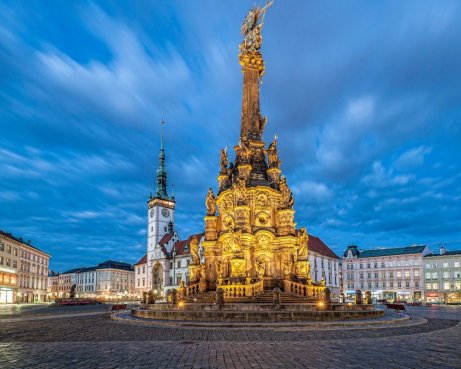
[[445, 264], [375, 275], [446, 274], [32, 282], [387, 264], [8, 262], [384, 284], [446, 286]]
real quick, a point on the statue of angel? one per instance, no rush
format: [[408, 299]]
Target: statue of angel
[[272, 154], [224, 161], [287, 200], [302, 242], [251, 28]]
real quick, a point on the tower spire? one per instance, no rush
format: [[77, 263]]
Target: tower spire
[[161, 191]]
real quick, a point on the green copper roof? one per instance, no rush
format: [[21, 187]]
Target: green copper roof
[[391, 251]]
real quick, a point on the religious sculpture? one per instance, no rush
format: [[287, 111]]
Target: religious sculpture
[[272, 154], [194, 251], [287, 200], [251, 29], [240, 190], [243, 151], [260, 268], [224, 162], [302, 241], [210, 202], [219, 269], [288, 267]]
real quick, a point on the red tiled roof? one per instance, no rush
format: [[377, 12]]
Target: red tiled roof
[[316, 244], [143, 260], [166, 238], [180, 246]]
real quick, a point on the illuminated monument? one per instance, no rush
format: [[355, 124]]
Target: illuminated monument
[[251, 241], [256, 263]]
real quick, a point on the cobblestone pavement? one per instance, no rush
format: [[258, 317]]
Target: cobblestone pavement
[[97, 342]]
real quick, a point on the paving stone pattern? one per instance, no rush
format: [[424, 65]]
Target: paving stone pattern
[[97, 342]]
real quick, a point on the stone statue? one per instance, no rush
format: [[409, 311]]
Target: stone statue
[[224, 161], [368, 299], [219, 269], [272, 154], [302, 241], [194, 251], [251, 29], [260, 268], [150, 297], [234, 241], [72, 291], [262, 124], [288, 267], [244, 151], [182, 291], [210, 203], [358, 297], [287, 200], [144, 297], [240, 190]]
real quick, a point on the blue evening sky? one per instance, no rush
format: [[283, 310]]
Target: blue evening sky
[[365, 97]]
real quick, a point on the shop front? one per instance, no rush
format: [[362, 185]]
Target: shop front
[[8, 286], [435, 297], [453, 297]]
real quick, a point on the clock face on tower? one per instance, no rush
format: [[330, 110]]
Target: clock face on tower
[[165, 212], [152, 213]]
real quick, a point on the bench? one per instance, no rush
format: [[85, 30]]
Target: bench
[[396, 307], [118, 307]]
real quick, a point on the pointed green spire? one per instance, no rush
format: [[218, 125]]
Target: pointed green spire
[[161, 191]]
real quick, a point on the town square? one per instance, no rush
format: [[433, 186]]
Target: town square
[[217, 185]]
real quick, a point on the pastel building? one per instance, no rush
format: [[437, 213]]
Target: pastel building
[[393, 274]]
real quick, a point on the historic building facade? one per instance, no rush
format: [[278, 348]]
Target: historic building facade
[[24, 270], [442, 273], [393, 274], [9, 265], [106, 281]]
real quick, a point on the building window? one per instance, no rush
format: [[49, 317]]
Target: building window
[[171, 281], [361, 275], [143, 269], [368, 265], [369, 284], [416, 273], [446, 286], [171, 265], [361, 285], [376, 275], [445, 264], [179, 263], [428, 275], [407, 274], [446, 274], [391, 284], [416, 284], [382, 265], [361, 266], [376, 284], [434, 275], [407, 284], [384, 284], [456, 264], [429, 286], [139, 283], [399, 284], [369, 275], [383, 275], [143, 282], [399, 274], [376, 265]]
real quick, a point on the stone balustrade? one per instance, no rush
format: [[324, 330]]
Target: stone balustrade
[[303, 290], [242, 290]]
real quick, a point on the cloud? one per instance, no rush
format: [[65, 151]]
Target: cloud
[[412, 157]]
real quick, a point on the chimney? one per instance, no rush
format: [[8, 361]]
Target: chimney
[[442, 249]]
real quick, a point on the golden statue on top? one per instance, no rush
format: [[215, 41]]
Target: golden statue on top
[[251, 29]]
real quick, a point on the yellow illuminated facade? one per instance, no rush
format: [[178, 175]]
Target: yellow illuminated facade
[[251, 242]]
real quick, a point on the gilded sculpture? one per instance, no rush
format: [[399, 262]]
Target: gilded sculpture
[[210, 202], [194, 251], [251, 243], [303, 239]]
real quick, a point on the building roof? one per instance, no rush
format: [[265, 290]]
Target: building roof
[[111, 264], [317, 245], [447, 253], [20, 240], [166, 238], [74, 270], [143, 260], [182, 247], [390, 251]]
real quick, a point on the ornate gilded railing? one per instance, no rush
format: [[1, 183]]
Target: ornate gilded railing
[[242, 290], [303, 290], [193, 289]]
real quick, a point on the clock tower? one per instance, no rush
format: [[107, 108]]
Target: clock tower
[[160, 207]]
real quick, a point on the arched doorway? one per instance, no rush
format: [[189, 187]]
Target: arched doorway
[[157, 280]]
